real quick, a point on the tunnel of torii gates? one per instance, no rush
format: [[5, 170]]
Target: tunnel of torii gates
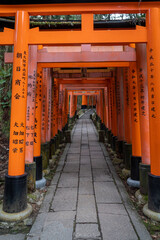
[[127, 97]]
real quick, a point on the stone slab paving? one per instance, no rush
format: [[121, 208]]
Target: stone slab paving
[[86, 199]]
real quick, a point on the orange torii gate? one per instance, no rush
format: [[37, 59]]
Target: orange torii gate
[[149, 34]]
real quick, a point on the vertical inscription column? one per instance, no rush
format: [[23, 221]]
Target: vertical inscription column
[[127, 146], [30, 166], [37, 127], [49, 100], [60, 109], [153, 71], [16, 181], [106, 106], [44, 122], [120, 119], [136, 140], [114, 113], [141, 53]]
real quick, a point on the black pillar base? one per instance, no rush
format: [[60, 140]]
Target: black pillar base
[[135, 161], [127, 155], [83, 106], [109, 136], [53, 147], [60, 134], [144, 169], [113, 142], [101, 134], [119, 148], [154, 193], [38, 161], [45, 151], [15, 194]]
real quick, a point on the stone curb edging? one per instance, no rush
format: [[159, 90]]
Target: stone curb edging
[[138, 225]]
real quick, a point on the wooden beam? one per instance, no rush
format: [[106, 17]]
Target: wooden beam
[[67, 9], [139, 35], [57, 57]]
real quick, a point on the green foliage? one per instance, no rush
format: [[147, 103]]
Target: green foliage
[[5, 92]]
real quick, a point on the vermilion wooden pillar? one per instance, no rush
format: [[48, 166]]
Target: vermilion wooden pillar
[[101, 105], [30, 165], [84, 101], [109, 105], [37, 128], [114, 114], [16, 180], [49, 100], [127, 147], [60, 109], [32, 72], [153, 70], [45, 144], [55, 108], [94, 101], [136, 140], [44, 105], [120, 109], [141, 53], [106, 107], [71, 107]]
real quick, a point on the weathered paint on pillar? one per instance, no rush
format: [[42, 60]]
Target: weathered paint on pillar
[[127, 107], [16, 163], [30, 120], [119, 99], [38, 114], [143, 101], [136, 140]]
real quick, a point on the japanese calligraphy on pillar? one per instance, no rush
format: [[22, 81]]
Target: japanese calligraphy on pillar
[[134, 95], [38, 101], [142, 91], [126, 82], [152, 83], [118, 98], [44, 95], [18, 136]]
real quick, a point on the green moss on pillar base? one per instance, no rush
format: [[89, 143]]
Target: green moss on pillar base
[[30, 169], [144, 169]]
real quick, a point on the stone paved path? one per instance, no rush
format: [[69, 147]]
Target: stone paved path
[[86, 199]]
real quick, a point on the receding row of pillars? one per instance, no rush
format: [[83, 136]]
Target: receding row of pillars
[[128, 111]]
